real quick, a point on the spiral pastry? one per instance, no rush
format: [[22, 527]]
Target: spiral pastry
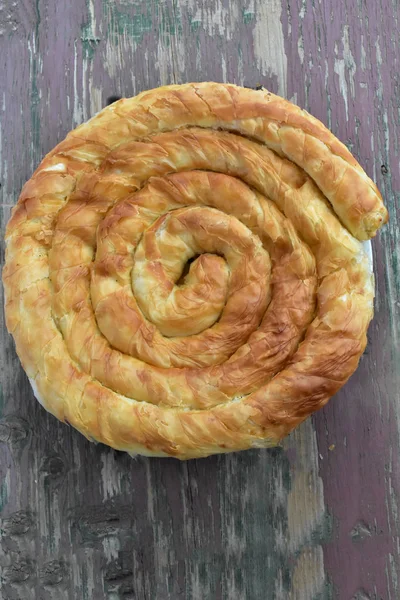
[[185, 273]]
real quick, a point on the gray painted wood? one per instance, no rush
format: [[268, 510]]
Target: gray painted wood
[[315, 519]]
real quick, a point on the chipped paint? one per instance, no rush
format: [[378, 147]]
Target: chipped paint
[[109, 476], [77, 113], [89, 37], [35, 95], [217, 19], [4, 492], [345, 68], [269, 43], [308, 522], [308, 575]]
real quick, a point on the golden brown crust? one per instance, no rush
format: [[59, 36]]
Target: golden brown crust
[[271, 318]]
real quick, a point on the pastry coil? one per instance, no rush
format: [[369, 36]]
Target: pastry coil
[[185, 273]]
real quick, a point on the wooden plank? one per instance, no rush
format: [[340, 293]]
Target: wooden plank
[[300, 522], [347, 56]]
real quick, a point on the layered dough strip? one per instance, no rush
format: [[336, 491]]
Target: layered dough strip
[[108, 363]]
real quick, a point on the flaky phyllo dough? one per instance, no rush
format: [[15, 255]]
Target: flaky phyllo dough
[[185, 273]]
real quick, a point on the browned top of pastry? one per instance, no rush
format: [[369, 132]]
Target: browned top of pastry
[[185, 274]]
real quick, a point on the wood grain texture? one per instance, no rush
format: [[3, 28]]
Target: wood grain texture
[[316, 519]]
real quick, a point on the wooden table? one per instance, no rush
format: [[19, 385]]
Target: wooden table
[[315, 519]]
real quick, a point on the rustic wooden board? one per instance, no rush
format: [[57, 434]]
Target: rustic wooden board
[[316, 519]]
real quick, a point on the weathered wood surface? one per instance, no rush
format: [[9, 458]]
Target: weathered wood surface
[[316, 519]]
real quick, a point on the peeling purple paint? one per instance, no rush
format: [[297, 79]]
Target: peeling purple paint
[[344, 68]]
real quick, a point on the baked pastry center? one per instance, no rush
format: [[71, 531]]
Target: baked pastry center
[[185, 274]]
